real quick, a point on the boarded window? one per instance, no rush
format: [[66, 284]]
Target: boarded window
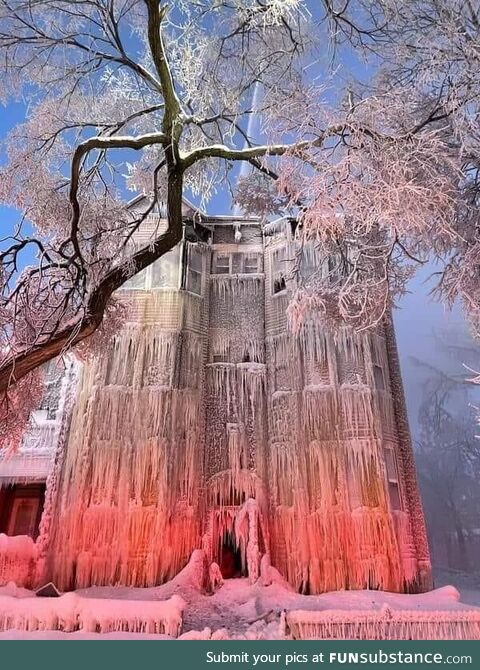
[[21, 509]]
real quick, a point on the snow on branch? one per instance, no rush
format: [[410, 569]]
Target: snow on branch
[[380, 178]]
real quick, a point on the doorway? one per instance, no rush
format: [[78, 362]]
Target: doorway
[[230, 558]]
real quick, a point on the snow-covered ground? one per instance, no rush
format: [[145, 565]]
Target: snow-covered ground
[[237, 609], [467, 583]]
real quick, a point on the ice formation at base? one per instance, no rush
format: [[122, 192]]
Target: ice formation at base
[[386, 625], [71, 612], [237, 609]]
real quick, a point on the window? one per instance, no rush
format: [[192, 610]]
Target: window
[[394, 494], [279, 270], [334, 268], [282, 377], [317, 372], [353, 485], [219, 346], [23, 516], [251, 264], [137, 282], [371, 486], [378, 377], [309, 262], [392, 479], [21, 509], [165, 271], [222, 264], [194, 270], [364, 484], [236, 263]]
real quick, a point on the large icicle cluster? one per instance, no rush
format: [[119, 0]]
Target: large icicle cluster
[[330, 417], [333, 527], [127, 509]]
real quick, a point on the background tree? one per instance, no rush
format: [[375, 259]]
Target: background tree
[[448, 462]]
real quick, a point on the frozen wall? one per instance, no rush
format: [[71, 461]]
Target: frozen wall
[[127, 509], [208, 424]]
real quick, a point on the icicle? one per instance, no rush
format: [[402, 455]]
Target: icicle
[[215, 577], [230, 287], [406, 546], [247, 537], [386, 624], [130, 483], [71, 612]]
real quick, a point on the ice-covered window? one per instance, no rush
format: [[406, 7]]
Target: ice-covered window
[[137, 282], [309, 262], [21, 509], [364, 484], [221, 264], [378, 377], [53, 372], [279, 270], [194, 271], [392, 478], [350, 368], [317, 372], [236, 263], [353, 485], [165, 271], [379, 364], [314, 265], [219, 346], [251, 263]]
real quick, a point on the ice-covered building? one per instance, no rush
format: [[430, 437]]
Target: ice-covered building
[[207, 424]]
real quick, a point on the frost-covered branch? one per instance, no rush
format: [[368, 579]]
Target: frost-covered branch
[[160, 98]]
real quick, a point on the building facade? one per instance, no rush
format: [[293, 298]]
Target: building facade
[[208, 424]]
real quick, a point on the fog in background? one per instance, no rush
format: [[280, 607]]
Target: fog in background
[[437, 357]]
